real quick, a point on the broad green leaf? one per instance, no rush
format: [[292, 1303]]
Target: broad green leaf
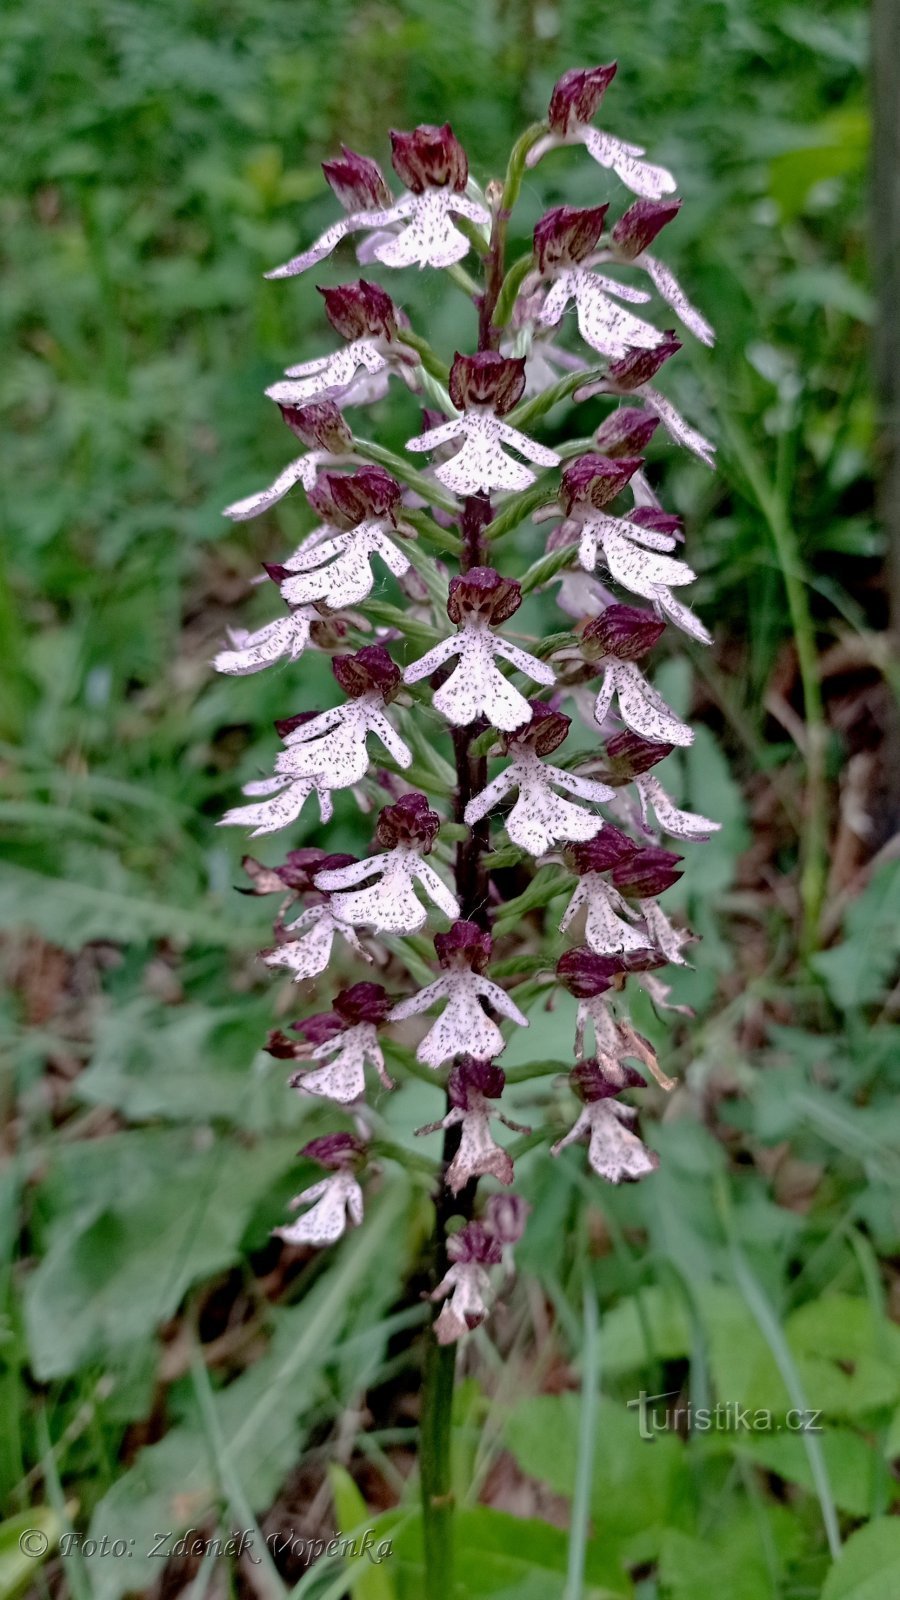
[[261, 1415], [869, 1564], [501, 1557], [638, 1487], [113, 1279]]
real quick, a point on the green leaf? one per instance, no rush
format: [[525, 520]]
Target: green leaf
[[73, 912], [857, 971], [25, 1542], [869, 1564], [259, 1416], [368, 1580], [638, 1486], [110, 1276], [501, 1557]]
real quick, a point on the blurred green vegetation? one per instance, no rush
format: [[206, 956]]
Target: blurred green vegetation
[[163, 157]]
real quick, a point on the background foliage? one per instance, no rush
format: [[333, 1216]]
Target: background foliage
[[162, 1366]]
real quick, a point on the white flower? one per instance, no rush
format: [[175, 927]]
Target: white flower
[[389, 905], [344, 1078], [641, 707], [463, 1028], [333, 745], [309, 954], [428, 239], [676, 426], [680, 824], [641, 177], [539, 818], [476, 686], [614, 1152], [478, 1155], [337, 570], [302, 471], [606, 931], [602, 324], [631, 555], [667, 939], [481, 465], [250, 652], [286, 799], [337, 1200], [333, 375], [668, 287], [468, 1287]]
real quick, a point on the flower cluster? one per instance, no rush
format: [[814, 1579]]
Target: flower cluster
[[450, 729]]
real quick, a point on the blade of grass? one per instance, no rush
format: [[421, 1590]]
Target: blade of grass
[[771, 1330], [587, 1440]]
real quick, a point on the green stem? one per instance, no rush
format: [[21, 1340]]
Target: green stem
[[509, 289], [530, 411], [429, 491], [436, 1469]]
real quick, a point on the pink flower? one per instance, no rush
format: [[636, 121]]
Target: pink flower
[[472, 1084], [476, 686], [540, 818], [464, 1028], [486, 386]]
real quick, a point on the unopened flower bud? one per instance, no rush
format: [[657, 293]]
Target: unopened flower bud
[[543, 734], [367, 669], [591, 1081], [505, 1216], [335, 1151], [410, 821], [607, 849], [470, 1078], [626, 432], [429, 158], [566, 235], [363, 1002], [357, 181], [345, 499], [585, 974], [474, 1243], [638, 227], [319, 425], [649, 872], [464, 946], [628, 755], [641, 366], [360, 310], [577, 95], [482, 594], [487, 379], [596, 480], [626, 632]]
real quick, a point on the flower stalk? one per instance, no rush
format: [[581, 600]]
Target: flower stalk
[[449, 729]]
